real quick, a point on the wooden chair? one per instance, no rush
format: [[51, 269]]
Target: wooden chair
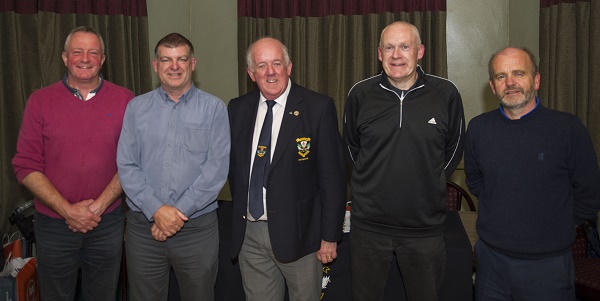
[[455, 195], [587, 269]]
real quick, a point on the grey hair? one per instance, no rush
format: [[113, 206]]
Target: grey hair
[[87, 29], [250, 61]]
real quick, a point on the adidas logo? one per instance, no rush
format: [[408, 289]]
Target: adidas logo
[[432, 121]]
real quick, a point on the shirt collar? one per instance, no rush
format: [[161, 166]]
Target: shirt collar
[[537, 103], [282, 99], [185, 97], [77, 93]]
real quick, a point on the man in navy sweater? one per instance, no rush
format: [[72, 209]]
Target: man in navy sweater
[[535, 173]]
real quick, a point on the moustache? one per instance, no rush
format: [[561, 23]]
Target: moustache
[[513, 89]]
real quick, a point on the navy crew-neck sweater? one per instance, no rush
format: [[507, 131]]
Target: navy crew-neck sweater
[[535, 178]]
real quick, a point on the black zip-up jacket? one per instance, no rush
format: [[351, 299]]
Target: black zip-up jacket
[[403, 147]]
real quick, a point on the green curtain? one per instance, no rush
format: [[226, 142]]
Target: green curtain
[[570, 60], [333, 44], [32, 39], [19, 76]]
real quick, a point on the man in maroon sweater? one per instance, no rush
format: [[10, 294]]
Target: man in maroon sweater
[[66, 156]]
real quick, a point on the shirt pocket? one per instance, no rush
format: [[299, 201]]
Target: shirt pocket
[[195, 137]]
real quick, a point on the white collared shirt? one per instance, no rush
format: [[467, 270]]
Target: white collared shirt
[[278, 110]]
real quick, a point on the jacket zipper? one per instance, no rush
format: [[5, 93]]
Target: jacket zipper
[[401, 98]]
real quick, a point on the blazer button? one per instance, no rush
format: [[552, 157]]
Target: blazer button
[[243, 216]]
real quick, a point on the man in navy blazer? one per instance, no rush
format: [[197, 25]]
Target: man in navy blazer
[[303, 197]]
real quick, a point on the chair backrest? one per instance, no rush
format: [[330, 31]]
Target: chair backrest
[[455, 195], [580, 245]]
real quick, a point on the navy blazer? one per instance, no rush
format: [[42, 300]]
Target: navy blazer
[[306, 189]]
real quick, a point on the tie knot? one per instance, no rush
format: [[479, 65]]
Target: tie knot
[[270, 103]]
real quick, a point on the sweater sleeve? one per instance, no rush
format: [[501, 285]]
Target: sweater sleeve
[[30, 145], [474, 179], [585, 174]]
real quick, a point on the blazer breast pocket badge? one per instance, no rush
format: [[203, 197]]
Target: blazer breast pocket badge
[[303, 145]]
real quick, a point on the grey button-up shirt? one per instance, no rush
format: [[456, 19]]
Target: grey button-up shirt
[[174, 153]]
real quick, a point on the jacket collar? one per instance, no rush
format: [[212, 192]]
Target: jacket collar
[[384, 81]]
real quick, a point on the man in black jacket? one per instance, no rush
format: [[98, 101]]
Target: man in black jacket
[[404, 133], [301, 197]]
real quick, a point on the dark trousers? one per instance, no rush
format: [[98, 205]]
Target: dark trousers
[[61, 252], [421, 262], [502, 277], [192, 253]]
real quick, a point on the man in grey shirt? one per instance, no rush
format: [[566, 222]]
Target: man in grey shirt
[[173, 159]]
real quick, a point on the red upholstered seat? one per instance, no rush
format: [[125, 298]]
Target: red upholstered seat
[[455, 195], [587, 269]]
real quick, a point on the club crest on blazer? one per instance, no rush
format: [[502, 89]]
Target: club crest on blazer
[[303, 144]]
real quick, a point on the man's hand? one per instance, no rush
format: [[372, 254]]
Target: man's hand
[[169, 220], [328, 252], [97, 207], [157, 234], [80, 218]]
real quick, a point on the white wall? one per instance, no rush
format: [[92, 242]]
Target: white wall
[[475, 30], [211, 26]]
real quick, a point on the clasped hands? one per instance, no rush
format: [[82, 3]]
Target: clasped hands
[[83, 216], [168, 220]]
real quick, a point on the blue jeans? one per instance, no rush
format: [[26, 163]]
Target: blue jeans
[[501, 277], [421, 261], [61, 252]]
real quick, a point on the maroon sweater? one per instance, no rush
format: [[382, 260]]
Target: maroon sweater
[[72, 142]]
